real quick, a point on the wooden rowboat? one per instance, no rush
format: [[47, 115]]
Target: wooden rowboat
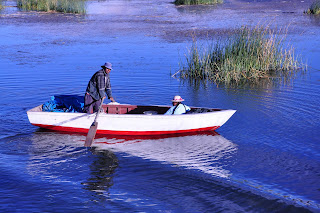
[[124, 119]]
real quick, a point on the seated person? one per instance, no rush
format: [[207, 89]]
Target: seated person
[[178, 107]]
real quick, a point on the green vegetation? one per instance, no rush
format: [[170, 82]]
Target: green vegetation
[[64, 6], [249, 55], [194, 2], [1, 6], [314, 8]]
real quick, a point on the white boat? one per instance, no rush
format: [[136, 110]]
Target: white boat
[[125, 119]]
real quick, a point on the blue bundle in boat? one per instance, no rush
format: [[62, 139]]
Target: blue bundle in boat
[[64, 103]]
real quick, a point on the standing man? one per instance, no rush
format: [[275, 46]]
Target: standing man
[[98, 86]]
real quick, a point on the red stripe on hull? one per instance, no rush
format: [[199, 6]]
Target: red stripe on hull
[[112, 132]]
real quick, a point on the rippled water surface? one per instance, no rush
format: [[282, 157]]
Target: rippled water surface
[[266, 158]]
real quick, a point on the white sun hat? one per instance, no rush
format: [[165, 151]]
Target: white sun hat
[[177, 98]]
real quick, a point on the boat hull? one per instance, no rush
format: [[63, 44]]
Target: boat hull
[[113, 132], [129, 124]]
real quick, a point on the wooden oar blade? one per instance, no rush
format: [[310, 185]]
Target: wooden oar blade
[[91, 134]]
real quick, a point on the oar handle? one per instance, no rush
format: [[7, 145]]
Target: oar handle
[[93, 128], [99, 109]]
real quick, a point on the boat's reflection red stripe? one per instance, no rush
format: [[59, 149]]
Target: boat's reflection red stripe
[[112, 132]]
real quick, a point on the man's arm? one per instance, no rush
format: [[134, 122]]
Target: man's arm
[[169, 112], [108, 89]]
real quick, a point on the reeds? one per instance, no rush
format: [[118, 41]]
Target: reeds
[[64, 6], [249, 55], [195, 2], [1, 6], [314, 8]]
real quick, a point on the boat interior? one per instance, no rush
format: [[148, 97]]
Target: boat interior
[[136, 109], [147, 110]]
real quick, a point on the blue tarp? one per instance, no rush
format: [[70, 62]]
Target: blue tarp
[[64, 103]]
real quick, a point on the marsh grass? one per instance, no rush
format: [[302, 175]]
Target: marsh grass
[[314, 8], [196, 2], [64, 6], [249, 55], [1, 5]]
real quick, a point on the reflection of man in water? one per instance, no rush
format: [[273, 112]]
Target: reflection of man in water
[[102, 170], [178, 107], [98, 86]]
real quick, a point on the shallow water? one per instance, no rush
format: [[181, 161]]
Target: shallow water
[[264, 159]]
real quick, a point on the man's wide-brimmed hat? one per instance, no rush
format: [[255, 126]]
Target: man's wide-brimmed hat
[[107, 65], [177, 98]]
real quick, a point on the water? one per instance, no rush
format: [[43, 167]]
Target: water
[[264, 159]]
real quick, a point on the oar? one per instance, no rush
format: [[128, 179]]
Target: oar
[[93, 128]]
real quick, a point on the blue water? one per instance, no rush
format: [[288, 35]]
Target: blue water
[[266, 158]]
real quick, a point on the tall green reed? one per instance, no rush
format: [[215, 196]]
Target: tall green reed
[[64, 6], [249, 55], [314, 8], [195, 2], [1, 5]]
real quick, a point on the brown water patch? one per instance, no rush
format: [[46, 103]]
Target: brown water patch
[[163, 19], [190, 34], [40, 17]]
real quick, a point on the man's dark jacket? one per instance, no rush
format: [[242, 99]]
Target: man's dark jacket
[[99, 85]]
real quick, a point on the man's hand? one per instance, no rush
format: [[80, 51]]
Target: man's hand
[[112, 99]]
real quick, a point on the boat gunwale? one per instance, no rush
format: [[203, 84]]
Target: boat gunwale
[[36, 110]]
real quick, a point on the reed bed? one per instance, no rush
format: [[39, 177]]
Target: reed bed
[[64, 6], [196, 2], [1, 5], [249, 55], [314, 8]]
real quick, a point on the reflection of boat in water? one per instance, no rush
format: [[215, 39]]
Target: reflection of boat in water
[[61, 157], [57, 157], [124, 119], [208, 152]]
